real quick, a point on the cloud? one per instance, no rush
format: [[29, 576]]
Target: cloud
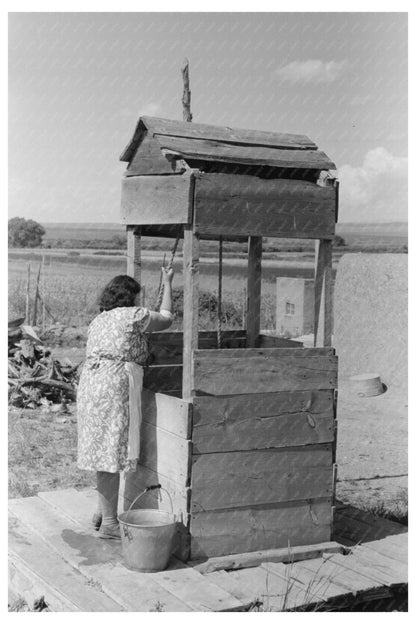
[[376, 191], [152, 109], [311, 71]]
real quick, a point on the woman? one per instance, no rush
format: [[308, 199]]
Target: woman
[[109, 391]]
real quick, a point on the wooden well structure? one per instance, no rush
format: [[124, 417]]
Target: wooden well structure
[[242, 437]]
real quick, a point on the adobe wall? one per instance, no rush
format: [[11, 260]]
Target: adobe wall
[[370, 316]]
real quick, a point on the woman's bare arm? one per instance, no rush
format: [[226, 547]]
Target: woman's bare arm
[[163, 319]]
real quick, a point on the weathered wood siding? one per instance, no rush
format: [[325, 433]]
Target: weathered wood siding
[[247, 529], [156, 200], [165, 458], [263, 436], [247, 205], [262, 421], [232, 371]]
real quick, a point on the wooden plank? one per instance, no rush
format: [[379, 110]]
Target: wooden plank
[[169, 127], [388, 549], [149, 160], [190, 308], [345, 578], [25, 584], [382, 562], [328, 295], [45, 572], [156, 199], [98, 560], [178, 496], [196, 590], [166, 453], [228, 204], [253, 290], [269, 371], [166, 412], [266, 341], [206, 339], [217, 533], [167, 348], [266, 420], [134, 253], [163, 379], [246, 478], [310, 592], [320, 250], [220, 151], [317, 582], [253, 559], [268, 352], [258, 585], [365, 567]]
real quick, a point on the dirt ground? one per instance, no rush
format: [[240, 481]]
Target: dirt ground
[[371, 447]]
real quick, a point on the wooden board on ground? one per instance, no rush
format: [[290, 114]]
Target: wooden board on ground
[[155, 199], [253, 559], [37, 569], [79, 505], [309, 590], [257, 585], [196, 590], [245, 478], [230, 531], [350, 580], [316, 582], [238, 204], [363, 567], [95, 558], [256, 371], [264, 420]]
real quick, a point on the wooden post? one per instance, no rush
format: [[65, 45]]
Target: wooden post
[[253, 290], [27, 312], [186, 97], [190, 307], [35, 306], [134, 262], [43, 293], [323, 286]]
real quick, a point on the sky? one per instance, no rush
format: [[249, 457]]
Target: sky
[[78, 82]]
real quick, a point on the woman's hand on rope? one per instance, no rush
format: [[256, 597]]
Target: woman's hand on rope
[[167, 275]]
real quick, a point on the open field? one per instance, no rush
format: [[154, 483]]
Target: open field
[[72, 283], [357, 235]]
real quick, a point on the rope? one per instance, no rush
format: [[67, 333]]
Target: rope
[[170, 265], [219, 308]]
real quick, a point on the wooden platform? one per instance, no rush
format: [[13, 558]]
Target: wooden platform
[[54, 553]]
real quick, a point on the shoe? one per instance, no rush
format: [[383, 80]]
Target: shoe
[[97, 520], [109, 532]]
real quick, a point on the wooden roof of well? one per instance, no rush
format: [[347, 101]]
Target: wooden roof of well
[[194, 141]]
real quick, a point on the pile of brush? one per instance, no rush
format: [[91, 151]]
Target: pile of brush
[[35, 378]]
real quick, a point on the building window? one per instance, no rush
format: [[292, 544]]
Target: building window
[[290, 308]]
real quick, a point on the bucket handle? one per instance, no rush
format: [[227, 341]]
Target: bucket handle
[[148, 489]]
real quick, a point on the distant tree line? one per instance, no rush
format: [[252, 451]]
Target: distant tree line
[[25, 232]]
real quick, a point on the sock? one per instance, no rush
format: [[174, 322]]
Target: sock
[[108, 485]]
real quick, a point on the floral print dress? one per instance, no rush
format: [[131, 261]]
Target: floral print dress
[[114, 338]]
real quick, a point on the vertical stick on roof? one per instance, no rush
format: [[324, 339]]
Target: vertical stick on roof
[[186, 97]]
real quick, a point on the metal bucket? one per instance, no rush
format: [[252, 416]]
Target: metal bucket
[[147, 536]]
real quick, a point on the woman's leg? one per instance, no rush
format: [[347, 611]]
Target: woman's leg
[[108, 484]]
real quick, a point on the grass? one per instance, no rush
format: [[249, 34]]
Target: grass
[[42, 453], [396, 510]]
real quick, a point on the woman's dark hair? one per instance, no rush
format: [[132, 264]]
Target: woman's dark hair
[[119, 293]]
